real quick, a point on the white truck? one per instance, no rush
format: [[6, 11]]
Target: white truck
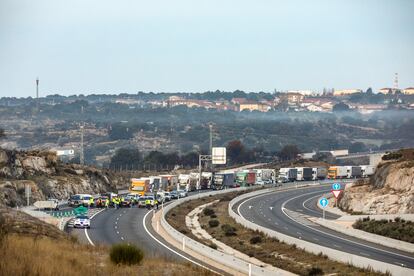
[[287, 175], [367, 170], [319, 173], [183, 182], [265, 176], [51, 204]]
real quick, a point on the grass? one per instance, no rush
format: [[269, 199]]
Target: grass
[[25, 255], [397, 229], [258, 245]]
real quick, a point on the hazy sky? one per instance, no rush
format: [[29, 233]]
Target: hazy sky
[[101, 46]]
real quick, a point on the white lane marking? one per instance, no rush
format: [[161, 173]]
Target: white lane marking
[[286, 227], [316, 239], [334, 236], [337, 246], [122, 238], [86, 230], [313, 211], [116, 222], [172, 250], [364, 254], [117, 218], [116, 227], [276, 223], [117, 232]]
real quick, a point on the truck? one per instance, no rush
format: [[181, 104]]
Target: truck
[[155, 182], [223, 181], [337, 172], [183, 182], [79, 199], [367, 170], [287, 174], [193, 185], [206, 180], [304, 174], [353, 171], [51, 204], [140, 186], [265, 176], [170, 180], [241, 178], [251, 178], [319, 173]]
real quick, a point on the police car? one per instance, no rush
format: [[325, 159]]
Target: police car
[[82, 221]]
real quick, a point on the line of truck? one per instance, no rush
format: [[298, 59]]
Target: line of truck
[[209, 180], [319, 173]]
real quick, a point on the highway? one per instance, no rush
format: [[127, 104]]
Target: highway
[[132, 225], [286, 212]]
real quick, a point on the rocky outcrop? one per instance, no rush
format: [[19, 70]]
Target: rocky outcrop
[[47, 177], [389, 191]]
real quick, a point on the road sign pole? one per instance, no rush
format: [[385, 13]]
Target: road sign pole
[[323, 211]]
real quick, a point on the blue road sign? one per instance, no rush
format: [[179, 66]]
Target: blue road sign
[[323, 202], [336, 186]]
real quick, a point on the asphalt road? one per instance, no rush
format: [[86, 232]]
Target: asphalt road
[[285, 211], [130, 225]]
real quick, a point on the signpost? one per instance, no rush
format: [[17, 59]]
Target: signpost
[[336, 191], [323, 202]]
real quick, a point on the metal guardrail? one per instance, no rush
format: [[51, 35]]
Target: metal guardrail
[[218, 256], [333, 254]]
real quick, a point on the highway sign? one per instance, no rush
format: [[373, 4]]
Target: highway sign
[[336, 193], [336, 186], [218, 155], [323, 202]]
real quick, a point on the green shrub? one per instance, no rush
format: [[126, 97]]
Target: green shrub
[[228, 230], [213, 223], [213, 245], [315, 271], [256, 239], [126, 254], [213, 216], [208, 212]]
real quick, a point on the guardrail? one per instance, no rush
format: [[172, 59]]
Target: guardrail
[[333, 254], [215, 255]]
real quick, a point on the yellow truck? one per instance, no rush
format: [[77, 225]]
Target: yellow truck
[[337, 172], [139, 186]]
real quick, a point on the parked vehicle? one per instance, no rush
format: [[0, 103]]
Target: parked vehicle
[[304, 174], [174, 194], [265, 176], [139, 186], [82, 221], [193, 182], [80, 199], [241, 178], [367, 170], [223, 181], [51, 204], [319, 173], [287, 174], [183, 182], [337, 172], [353, 171]]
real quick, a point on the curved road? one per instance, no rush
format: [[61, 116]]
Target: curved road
[[287, 211]]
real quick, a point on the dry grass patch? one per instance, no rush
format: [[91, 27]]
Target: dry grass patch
[[26, 255]]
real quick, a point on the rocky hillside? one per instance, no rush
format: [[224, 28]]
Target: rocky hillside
[[48, 177], [389, 191]]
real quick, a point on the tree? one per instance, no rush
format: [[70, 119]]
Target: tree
[[289, 152], [2, 134], [369, 90], [128, 158], [234, 149], [339, 107]]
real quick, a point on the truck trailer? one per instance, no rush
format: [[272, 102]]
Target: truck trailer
[[287, 174], [353, 171], [337, 172], [319, 173], [183, 182], [223, 181], [367, 170], [304, 174]]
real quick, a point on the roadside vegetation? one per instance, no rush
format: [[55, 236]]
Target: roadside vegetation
[[216, 221], [398, 228], [40, 249]]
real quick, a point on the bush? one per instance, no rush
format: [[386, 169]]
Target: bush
[[126, 254], [256, 239], [208, 212], [213, 245], [315, 271], [213, 223], [228, 230]]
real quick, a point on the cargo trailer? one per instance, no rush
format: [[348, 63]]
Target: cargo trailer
[[304, 174], [337, 172], [287, 174], [367, 170], [223, 181], [319, 173], [353, 171]]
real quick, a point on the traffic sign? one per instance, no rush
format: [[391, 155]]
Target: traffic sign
[[336, 193], [336, 186], [323, 202]]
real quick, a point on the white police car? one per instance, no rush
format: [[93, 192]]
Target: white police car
[[82, 221]]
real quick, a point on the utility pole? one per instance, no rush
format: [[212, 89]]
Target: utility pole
[[37, 94], [211, 137], [81, 155]]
